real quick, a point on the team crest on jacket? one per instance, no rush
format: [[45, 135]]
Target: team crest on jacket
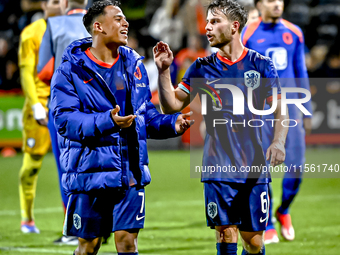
[[252, 79], [138, 74], [212, 209], [76, 221]]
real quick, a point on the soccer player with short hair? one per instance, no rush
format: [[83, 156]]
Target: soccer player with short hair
[[235, 202], [283, 42], [100, 102], [36, 138]]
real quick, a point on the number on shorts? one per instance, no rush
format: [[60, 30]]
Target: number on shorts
[[142, 195], [264, 202]]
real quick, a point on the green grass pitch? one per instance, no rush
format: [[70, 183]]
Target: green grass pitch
[[175, 219]]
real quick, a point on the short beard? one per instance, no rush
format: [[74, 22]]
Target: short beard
[[224, 39]]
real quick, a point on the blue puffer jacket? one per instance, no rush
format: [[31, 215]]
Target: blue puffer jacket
[[92, 145]]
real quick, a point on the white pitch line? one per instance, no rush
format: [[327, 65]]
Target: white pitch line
[[163, 204], [60, 209], [35, 250], [36, 211]]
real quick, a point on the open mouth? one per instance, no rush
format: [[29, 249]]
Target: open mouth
[[210, 37], [124, 32]]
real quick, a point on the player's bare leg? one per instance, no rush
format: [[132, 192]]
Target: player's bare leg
[[88, 246], [126, 241], [226, 234], [253, 242], [226, 238]]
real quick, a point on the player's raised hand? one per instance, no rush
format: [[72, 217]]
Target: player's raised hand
[[122, 122], [276, 153], [163, 56], [183, 123]]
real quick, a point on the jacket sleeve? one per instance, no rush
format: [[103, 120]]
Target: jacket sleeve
[[46, 56], [160, 126], [69, 119], [27, 59]]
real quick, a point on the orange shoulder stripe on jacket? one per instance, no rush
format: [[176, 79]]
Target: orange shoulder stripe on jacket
[[46, 73], [293, 28], [250, 30]]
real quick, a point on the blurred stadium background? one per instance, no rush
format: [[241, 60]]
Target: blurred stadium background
[[175, 212]]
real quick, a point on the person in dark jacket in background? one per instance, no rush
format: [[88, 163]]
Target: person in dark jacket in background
[[100, 102]]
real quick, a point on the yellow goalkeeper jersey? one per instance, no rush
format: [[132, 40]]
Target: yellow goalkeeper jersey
[[30, 39]]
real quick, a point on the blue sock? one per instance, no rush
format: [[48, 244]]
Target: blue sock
[[127, 253], [262, 252], [226, 248], [290, 187]]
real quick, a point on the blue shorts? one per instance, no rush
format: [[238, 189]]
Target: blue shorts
[[238, 204], [98, 214]]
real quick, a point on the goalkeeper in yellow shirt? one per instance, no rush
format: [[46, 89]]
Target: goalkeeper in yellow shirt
[[36, 138]]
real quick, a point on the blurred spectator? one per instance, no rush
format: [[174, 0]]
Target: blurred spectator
[[331, 66], [315, 58], [151, 68], [323, 26], [183, 60], [166, 24], [9, 71], [150, 9], [253, 13], [32, 12], [298, 12], [133, 43], [3, 52], [12, 71], [193, 51], [194, 19], [174, 20], [9, 16]]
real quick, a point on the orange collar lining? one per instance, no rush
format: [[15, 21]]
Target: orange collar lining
[[229, 62], [99, 62]]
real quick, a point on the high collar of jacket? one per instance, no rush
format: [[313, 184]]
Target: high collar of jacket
[[75, 53]]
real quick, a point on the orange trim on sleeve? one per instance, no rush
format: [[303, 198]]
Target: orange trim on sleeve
[[187, 86], [75, 11], [250, 30], [99, 62], [270, 99], [293, 28], [46, 73]]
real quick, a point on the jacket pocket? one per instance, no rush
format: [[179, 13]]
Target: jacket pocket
[[100, 159]]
